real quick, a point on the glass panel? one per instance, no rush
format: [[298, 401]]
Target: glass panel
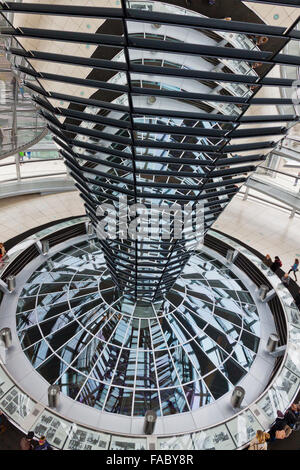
[[127, 443], [55, 429], [176, 443], [81, 438], [243, 428], [217, 438], [17, 406]]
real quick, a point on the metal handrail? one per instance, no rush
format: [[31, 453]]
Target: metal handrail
[[24, 147], [293, 137], [276, 171], [32, 177], [33, 160], [58, 227], [9, 259]]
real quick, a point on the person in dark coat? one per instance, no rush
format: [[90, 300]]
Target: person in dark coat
[[276, 264], [26, 443], [292, 416], [268, 260], [279, 425]]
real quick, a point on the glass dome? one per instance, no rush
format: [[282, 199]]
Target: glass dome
[[124, 357]]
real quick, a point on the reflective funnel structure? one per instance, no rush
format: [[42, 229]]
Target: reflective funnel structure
[[152, 105]]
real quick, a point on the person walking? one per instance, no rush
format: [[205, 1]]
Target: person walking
[[286, 280], [276, 264], [43, 444], [268, 260], [294, 268], [259, 442], [22, 91], [26, 443]]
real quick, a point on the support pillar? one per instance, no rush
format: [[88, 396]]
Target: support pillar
[[237, 397], [149, 423]]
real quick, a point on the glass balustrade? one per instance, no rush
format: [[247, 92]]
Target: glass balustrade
[[20, 122]]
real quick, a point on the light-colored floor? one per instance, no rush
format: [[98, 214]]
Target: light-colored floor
[[19, 214], [31, 168], [265, 228], [274, 15]]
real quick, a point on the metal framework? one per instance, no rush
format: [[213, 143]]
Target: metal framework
[[139, 136]]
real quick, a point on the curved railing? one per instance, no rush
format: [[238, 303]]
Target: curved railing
[[16, 261], [233, 433], [22, 146], [255, 274], [22, 126]]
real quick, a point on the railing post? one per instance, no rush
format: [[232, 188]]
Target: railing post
[[272, 342], [262, 293], [270, 295], [246, 194], [6, 337], [45, 247], [53, 396], [89, 228], [237, 397], [11, 283], [149, 423], [3, 287], [230, 256]]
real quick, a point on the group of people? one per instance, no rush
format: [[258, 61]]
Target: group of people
[[28, 443], [282, 428], [285, 279], [277, 264]]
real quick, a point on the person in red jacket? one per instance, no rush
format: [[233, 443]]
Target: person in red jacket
[[2, 251]]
